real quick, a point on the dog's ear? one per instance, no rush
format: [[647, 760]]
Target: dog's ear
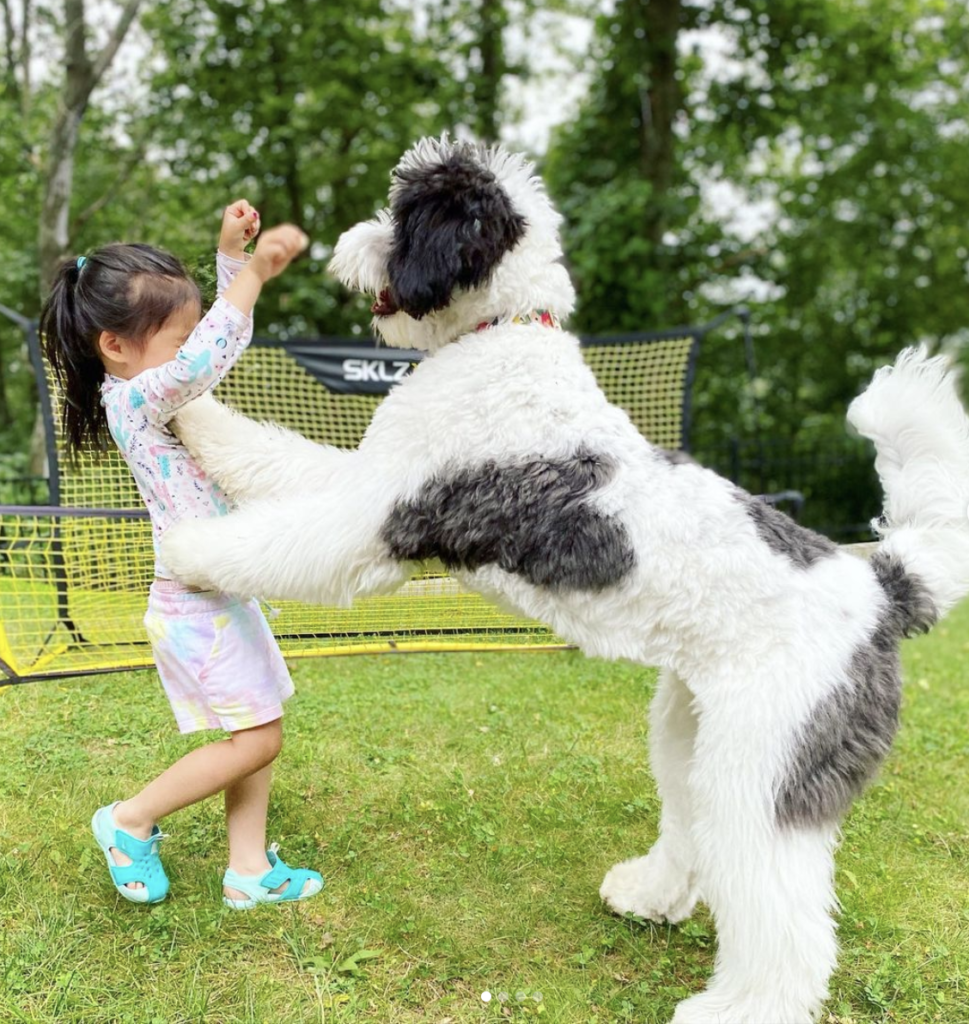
[[453, 222]]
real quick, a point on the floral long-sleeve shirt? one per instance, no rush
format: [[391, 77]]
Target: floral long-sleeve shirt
[[139, 411]]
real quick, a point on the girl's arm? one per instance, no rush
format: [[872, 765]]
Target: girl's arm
[[240, 225], [202, 361], [227, 268], [221, 336]]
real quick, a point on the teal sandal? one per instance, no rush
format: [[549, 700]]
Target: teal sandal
[[258, 888], [145, 867]]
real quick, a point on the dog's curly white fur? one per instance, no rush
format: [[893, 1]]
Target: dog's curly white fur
[[778, 694]]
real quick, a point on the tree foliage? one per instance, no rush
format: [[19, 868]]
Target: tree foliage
[[42, 118], [854, 119], [846, 120], [851, 119], [617, 172], [303, 108]]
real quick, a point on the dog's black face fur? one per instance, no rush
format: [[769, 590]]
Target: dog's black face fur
[[453, 222]]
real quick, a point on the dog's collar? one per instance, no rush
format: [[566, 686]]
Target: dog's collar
[[544, 317]]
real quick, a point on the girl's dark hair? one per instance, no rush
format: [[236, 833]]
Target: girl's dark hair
[[130, 290]]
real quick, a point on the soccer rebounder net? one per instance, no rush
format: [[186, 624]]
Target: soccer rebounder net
[[74, 575]]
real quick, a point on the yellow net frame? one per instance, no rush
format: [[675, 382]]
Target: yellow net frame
[[74, 577]]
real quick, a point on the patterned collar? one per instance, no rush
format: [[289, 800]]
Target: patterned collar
[[544, 317]]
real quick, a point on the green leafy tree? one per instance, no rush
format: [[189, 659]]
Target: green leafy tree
[[850, 120], [42, 118], [303, 108], [632, 233]]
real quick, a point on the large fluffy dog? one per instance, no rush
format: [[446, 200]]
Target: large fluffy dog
[[779, 689]]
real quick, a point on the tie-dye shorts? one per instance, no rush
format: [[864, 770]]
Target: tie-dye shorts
[[217, 658]]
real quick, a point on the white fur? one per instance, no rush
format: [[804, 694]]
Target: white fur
[[528, 278], [913, 414], [748, 643]]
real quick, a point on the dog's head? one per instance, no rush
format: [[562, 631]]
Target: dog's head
[[470, 235]]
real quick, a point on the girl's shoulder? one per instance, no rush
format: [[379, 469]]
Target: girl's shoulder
[[113, 392], [124, 401]]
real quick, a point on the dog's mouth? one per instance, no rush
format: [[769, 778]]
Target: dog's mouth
[[386, 304]]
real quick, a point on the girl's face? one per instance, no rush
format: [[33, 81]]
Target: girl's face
[[126, 359]]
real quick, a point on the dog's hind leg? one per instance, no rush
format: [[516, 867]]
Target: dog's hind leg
[[253, 460], [769, 886], [662, 885]]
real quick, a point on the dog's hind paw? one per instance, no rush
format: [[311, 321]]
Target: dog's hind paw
[[699, 1010], [651, 887], [712, 1008]]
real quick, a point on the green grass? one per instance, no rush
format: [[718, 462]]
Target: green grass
[[464, 809]]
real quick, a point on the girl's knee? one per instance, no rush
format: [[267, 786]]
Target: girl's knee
[[261, 744]]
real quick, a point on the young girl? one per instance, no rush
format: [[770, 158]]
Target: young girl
[[124, 332]]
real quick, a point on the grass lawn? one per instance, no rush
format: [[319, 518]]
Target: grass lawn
[[464, 809]]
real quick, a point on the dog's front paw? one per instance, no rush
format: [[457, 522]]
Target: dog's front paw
[[202, 425], [187, 551], [651, 887]]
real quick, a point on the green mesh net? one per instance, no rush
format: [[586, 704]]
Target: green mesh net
[[74, 578]]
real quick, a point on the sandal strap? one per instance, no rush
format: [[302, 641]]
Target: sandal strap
[[297, 878], [259, 888], [280, 873], [138, 849], [145, 867]]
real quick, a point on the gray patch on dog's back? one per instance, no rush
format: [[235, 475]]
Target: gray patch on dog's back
[[803, 547], [851, 731], [676, 458], [533, 519]]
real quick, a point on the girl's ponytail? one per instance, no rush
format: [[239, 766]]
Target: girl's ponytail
[[70, 350]]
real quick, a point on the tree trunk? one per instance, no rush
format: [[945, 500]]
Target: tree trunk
[[54, 240], [11, 63], [657, 23], [81, 77], [493, 18]]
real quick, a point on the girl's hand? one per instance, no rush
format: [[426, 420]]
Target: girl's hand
[[240, 225], [277, 248]]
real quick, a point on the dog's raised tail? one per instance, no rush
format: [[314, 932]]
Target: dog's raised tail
[[913, 414]]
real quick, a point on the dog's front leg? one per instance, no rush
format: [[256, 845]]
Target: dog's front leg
[[250, 459], [325, 549]]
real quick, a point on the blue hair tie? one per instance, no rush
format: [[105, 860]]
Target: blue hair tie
[[81, 260]]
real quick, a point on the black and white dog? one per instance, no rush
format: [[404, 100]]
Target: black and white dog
[[779, 690]]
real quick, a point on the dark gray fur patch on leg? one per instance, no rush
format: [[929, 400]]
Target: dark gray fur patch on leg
[[803, 547], [851, 731], [912, 609], [533, 519]]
